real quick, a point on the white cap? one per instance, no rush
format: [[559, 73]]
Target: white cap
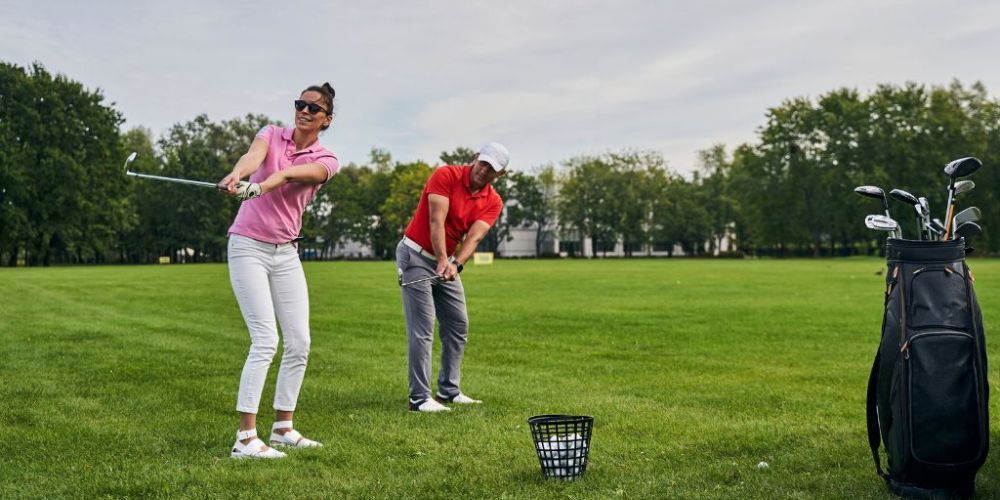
[[496, 155]]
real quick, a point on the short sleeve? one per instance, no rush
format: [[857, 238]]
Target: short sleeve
[[265, 133], [490, 215], [440, 182], [331, 164]]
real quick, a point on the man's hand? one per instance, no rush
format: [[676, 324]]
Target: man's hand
[[247, 191], [446, 270]]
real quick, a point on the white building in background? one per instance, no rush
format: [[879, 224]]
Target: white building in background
[[522, 245]]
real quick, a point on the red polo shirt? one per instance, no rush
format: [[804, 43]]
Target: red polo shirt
[[464, 207]]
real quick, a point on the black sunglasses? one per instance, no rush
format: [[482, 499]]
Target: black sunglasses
[[313, 107]]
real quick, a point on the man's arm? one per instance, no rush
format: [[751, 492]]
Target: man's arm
[[439, 211], [476, 234]]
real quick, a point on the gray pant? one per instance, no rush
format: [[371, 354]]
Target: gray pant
[[421, 303]]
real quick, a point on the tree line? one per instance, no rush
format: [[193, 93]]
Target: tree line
[[64, 197]]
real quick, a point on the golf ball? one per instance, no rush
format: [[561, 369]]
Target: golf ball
[[562, 456]]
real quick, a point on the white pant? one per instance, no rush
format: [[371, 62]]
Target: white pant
[[268, 280]]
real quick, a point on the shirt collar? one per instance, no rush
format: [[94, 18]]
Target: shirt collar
[[286, 135]]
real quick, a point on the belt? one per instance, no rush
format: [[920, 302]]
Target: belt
[[417, 248]]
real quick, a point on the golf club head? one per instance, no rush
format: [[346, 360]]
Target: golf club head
[[962, 167], [880, 222], [971, 214], [130, 159], [964, 186], [967, 230], [937, 225], [870, 192], [904, 197]]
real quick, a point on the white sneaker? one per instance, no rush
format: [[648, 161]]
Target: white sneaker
[[291, 438], [461, 399], [429, 405], [254, 449]]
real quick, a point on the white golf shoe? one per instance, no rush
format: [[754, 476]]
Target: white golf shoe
[[460, 399], [429, 405], [291, 438], [254, 449]]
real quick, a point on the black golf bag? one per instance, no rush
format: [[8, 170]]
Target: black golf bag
[[928, 393]]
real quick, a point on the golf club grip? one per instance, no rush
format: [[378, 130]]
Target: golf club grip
[[948, 222]]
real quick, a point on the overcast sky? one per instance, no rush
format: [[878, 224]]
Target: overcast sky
[[551, 80]]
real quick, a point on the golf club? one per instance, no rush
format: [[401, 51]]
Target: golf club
[[925, 208], [964, 186], [874, 192], [937, 227], [967, 229], [131, 158], [880, 222], [879, 194], [971, 214], [399, 275], [911, 200], [962, 167]]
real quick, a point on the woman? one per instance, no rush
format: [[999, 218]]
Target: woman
[[286, 167]]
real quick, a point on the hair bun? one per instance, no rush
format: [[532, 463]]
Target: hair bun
[[329, 88]]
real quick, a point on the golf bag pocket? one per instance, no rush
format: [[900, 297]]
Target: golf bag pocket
[[938, 298], [946, 421]]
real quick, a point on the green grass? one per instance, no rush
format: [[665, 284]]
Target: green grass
[[121, 382]]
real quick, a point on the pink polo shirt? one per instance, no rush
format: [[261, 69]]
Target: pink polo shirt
[[276, 217]]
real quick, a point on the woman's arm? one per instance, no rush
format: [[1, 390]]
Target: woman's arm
[[308, 173], [247, 164]]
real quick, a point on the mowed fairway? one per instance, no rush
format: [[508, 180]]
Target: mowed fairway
[[121, 382]]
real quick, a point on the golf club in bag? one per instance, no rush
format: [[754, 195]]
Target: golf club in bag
[[962, 167], [927, 392]]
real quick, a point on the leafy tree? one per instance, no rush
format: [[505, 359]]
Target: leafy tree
[[338, 213], [17, 98], [713, 177], [405, 188], [459, 156], [62, 187], [521, 197], [680, 216], [139, 244], [183, 216], [541, 210], [639, 180], [587, 201]]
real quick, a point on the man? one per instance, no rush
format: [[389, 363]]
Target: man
[[458, 205]]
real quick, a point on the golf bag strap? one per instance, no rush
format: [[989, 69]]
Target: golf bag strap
[[874, 435]]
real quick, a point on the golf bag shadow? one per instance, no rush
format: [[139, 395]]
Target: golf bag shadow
[[927, 392]]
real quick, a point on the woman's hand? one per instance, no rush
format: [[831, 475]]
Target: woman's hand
[[230, 183], [247, 191]]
